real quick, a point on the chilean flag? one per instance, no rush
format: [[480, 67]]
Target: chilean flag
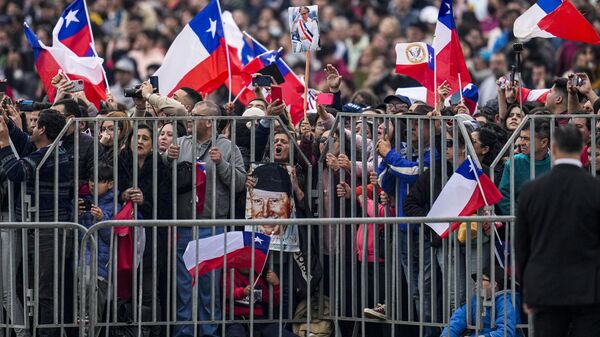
[[470, 95], [535, 95], [204, 255], [74, 31], [292, 87], [241, 52], [49, 60], [449, 59], [466, 191], [555, 18], [197, 57], [261, 61]]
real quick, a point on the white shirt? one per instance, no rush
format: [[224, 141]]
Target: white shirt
[[569, 161]]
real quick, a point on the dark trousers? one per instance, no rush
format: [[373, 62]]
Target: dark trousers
[[572, 321]]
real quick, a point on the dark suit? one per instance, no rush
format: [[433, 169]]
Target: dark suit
[[558, 251]]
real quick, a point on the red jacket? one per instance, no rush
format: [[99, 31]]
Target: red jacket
[[240, 281]]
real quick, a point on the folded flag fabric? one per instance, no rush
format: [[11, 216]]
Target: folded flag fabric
[[466, 191], [197, 57], [211, 252], [49, 60], [555, 18]]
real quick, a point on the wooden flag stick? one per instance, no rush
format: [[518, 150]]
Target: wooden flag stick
[[306, 72]]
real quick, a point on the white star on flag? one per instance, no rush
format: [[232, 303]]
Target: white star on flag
[[213, 27], [71, 16], [259, 240], [271, 59]]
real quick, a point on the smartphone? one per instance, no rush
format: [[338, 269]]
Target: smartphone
[[77, 86], [325, 99], [276, 93], [262, 81], [154, 82], [26, 105], [85, 205], [578, 81], [2, 86]]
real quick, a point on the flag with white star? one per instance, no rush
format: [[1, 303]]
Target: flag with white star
[[237, 249], [74, 31], [197, 57]]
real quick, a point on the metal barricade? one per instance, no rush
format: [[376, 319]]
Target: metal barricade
[[370, 253]]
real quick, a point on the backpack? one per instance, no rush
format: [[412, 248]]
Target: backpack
[[318, 327]]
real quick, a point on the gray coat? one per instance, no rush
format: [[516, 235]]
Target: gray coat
[[229, 159]]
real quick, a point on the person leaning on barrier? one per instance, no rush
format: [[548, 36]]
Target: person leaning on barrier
[[228, 163], [522, 165], [143, 196], [49, 125], [506, 318], [557, 244]]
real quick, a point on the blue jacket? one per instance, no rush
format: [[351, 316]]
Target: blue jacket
[[106, 204], [458, 321], [397, 168]]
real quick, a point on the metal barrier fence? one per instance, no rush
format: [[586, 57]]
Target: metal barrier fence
[[391, 257]]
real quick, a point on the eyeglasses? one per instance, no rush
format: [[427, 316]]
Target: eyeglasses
[[398, 106], [108, 130]]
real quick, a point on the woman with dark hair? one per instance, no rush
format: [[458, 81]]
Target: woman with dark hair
[[514, 117], [142, 196], [487, 144]]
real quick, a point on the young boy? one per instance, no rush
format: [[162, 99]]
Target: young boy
[[241, 285], [89, 214]]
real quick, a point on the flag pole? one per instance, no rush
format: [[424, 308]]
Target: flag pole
[[435, 88], [93, 45], [226, 51], [478, 182], [461, 97], [306, 74]]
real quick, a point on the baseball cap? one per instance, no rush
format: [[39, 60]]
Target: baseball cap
[[126, 65], [252, 112], [403, 99]]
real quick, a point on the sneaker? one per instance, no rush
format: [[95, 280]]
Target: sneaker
[[377, 312]]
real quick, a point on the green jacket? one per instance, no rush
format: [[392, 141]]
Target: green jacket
[[522, 175]]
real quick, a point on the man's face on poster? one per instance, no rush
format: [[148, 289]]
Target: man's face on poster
[[269, 205]]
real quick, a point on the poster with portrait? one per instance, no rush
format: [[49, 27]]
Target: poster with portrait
[[304, 28], [272, 198]]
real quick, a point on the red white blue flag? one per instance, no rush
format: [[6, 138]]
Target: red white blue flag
[[74, 31], [449, 59], [466, 191], [416, 60], [555, 18], [204, 255], [197, 57], [49, 60]]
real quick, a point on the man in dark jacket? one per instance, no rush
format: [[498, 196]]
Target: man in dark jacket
[[49, 125], [557, 243]]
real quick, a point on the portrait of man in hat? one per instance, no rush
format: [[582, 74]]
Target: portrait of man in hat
[[270, 197]]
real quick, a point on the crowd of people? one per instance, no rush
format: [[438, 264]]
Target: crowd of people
[[370, 136]]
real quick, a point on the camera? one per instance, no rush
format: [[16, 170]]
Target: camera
[[25, 105], [578, 81], [132, 92]]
